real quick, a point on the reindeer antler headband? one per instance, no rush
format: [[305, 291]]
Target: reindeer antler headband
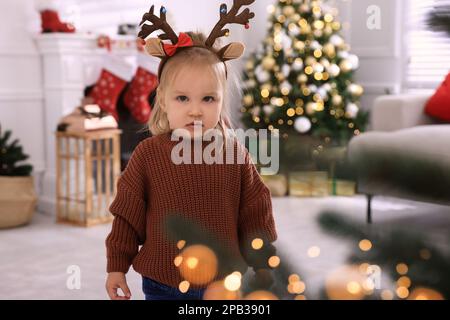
[[155, 47]]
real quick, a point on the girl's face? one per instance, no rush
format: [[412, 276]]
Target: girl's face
[[193, 100]]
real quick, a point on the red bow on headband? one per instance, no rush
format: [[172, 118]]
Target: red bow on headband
[[183, 41]]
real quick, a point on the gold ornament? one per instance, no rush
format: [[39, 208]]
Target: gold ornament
[[280, 76], [328, 30], [310, 108], [268, 63], [319, 24], [309, 70], [281, 19], [302, 78], [306, 92], [310, 61], [265, 93], [329, 49], [299, 45], [328, 17], [317, 53], [317, 10], [356, 90], [306, 30], [250, 65], [318, 33], [288, 11], [336, 100], [346, 66], [336, 26], [248, 100], [325, 62], [304, 8]]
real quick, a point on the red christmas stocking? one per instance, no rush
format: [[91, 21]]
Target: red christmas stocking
[[50, 22], [113, 79], [142, 85]]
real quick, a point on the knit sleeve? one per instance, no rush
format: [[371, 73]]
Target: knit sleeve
[[129, 211], [255, 216]]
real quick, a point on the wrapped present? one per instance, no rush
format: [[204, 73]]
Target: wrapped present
[[342, 188], [86, 118], [277, 184], [308, 183]]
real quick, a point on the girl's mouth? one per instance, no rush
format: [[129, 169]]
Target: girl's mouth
[[195, 124]]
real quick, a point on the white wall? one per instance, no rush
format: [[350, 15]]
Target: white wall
[[381, 52], [21, 98]]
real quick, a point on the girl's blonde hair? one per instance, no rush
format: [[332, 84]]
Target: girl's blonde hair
[[197, 55]]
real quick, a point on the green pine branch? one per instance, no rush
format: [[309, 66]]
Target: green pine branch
[[391, 246], [10, 155]]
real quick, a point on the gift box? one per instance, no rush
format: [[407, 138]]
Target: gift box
[[86, 118], [308, 184], [342, 188], [277, 184]]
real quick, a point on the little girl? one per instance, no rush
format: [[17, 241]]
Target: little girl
[[228, 200]]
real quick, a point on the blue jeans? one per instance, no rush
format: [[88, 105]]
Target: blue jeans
[[154, 290]]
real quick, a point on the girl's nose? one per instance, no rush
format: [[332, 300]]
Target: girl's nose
[[195, 112]]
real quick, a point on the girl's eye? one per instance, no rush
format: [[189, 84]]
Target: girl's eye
[[182, 98], [209, 99]]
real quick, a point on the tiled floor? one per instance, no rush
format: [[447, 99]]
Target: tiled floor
[[34, 259]]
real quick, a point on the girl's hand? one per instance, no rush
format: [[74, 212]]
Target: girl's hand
[[115, 281]]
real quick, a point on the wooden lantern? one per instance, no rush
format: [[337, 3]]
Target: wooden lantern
[[87, 170]]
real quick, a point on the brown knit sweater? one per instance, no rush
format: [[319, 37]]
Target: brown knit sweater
[[229, 200]]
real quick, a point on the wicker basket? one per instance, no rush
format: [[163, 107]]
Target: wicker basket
[[17, 201]]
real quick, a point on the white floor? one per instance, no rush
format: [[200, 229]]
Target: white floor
[[34, 259]]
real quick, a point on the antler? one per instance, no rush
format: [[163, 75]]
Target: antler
[[157, 24], [230, 17]]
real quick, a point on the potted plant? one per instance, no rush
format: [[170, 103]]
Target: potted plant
[[17, 194]]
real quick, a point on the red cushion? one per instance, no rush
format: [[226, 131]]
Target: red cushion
[[439, 104]]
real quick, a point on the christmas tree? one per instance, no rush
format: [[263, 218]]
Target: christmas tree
[[299, 80], [10, 155]]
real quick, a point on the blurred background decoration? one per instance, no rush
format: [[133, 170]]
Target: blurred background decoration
[[299, 82], [17, 193]]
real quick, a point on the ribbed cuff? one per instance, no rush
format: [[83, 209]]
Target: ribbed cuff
[[117, 264]]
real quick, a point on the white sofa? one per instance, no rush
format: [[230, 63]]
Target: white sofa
[[406, 155]]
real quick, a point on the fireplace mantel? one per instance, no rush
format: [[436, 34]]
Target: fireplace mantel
[[70, 62]]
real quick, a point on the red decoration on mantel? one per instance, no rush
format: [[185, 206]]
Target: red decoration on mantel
[[104, 41], [50, 22]]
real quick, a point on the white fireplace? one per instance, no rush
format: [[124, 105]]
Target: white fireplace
[[70, 62]]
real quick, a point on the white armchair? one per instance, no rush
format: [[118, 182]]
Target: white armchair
[[395, 112], [407, 155]]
